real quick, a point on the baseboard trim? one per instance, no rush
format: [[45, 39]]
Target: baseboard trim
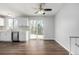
[[47, 39], [62, 45], [43, 39]]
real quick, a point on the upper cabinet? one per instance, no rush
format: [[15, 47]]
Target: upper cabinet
[[22, 21], [2, 24]]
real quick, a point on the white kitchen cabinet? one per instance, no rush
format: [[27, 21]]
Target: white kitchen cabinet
[[5, 36], [22, 36]]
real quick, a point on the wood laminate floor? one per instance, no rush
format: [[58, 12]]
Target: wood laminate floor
[[33, 47]]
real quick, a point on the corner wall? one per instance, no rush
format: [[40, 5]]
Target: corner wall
[[67, 24]]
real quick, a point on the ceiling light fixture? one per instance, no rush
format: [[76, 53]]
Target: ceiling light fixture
[[41, 12]]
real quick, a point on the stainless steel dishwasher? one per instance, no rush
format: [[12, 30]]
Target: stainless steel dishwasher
[[15, 36]]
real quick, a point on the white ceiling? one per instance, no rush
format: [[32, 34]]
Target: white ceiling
[[27, 9]]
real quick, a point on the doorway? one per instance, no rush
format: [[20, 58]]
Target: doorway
[[36, 29]]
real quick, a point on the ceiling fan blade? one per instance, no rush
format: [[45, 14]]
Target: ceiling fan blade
[[41, 6], [36, 12], [40, 9], [47, 9]]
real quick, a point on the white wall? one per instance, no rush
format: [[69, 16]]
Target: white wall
[[67, 24], [48, 29]]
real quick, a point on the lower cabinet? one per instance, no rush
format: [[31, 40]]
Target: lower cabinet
[[14, 36], [22, 36], [5, 36]]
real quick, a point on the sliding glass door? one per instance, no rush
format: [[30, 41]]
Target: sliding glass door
[[36, 29]]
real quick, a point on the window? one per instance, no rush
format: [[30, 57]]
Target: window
[[1, 21], [36, 29], [10, 23]]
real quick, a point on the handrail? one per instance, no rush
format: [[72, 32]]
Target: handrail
[[74, 36], [75, 43]]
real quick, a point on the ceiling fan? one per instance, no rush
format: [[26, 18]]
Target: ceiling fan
[[42, 10]]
